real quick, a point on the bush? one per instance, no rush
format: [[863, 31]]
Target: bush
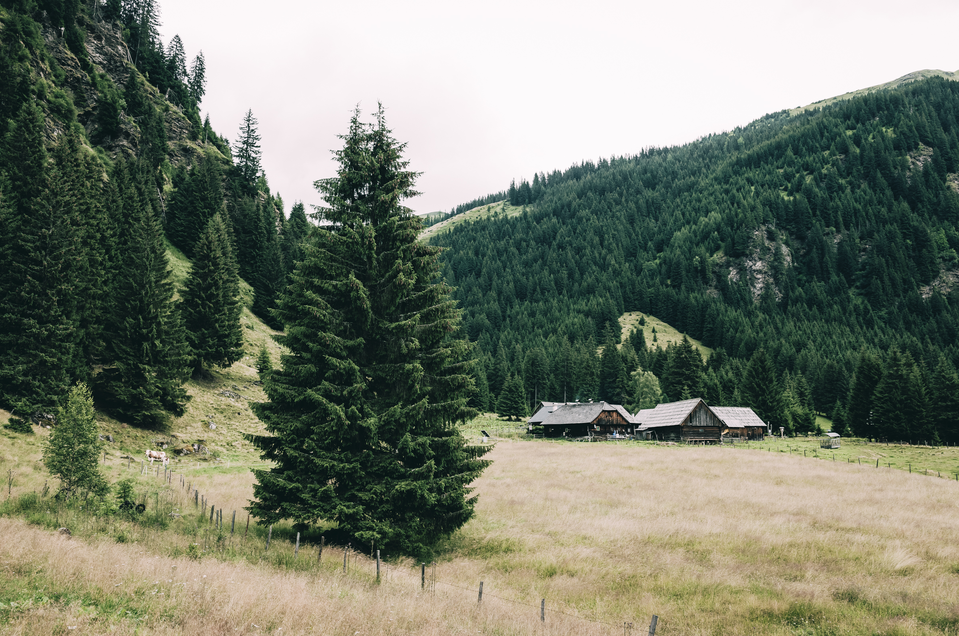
[[18, 425]]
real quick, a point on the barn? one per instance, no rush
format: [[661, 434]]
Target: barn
[[583, 419], [690, 421], [740, 422]]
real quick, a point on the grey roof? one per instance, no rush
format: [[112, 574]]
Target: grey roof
[[544, 410], [737, 416], [832, 434], [671, 414], [576, 413]]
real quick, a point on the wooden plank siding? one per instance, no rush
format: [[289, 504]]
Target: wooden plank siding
[[702, 425]]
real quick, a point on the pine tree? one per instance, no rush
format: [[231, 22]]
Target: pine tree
[[360, 422], [196, 84], [197, 200], [39, 248], [72, 451], [860, 404], [295, 231], [210, 306], [512, 403], [268, 282], [611, 373], [684, 371], [944, 400], [899, 402], [246, 152], [761, 390], [147, 354]]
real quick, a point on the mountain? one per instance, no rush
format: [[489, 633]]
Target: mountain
[[819, 237]]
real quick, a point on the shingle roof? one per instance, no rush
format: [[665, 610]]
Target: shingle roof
[[738, 416], [544, 411], [567, 414], [671, 414]]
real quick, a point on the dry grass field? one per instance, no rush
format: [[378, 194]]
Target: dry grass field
[[712, 540]]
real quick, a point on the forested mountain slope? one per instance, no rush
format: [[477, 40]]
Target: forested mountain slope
[[103, 158], [822, 239]]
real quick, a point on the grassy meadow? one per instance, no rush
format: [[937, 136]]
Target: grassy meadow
[[481, 212], [665, 334], [713, 540]]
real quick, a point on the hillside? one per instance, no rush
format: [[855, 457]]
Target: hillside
[[908, 78], [817, 237]]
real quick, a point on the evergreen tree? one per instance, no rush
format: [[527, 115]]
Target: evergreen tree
[[360, 418], [195, 201], [899, 402], [147, 354], [860, 404], [295, 232], [611, 373], [210, 306], [264, 365], [512, 402], [196, 84], [246, 152], [39, 352], [944, 400], [761, 390], [684, 371], [481, 398], [268, 282], [72, 451]]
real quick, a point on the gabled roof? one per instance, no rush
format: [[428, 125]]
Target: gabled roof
[[737, 416], [671, 414], [570, 414], [544, 410]]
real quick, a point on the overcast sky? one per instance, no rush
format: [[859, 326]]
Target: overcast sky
[[486, 92]]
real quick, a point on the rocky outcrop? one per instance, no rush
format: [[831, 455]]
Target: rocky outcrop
[[757, 265]]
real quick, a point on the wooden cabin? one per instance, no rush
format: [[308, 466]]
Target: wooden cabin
[[690, 421], [583, 420], [740, 423]]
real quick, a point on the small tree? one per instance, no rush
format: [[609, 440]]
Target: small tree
[[72, 451]]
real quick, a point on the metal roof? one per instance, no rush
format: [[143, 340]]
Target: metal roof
[[737, 416], [832, 434]]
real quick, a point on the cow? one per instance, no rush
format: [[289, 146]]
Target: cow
[[158, 455]]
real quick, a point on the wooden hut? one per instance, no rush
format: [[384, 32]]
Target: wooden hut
[[583, 419], [690, 421], [740, 423]]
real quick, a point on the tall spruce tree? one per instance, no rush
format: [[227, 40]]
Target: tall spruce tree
[[859, 416], [360, 418], [246, 152], [39, 250], [210, 305], [762, 391], [197, 200], [147, 354], [512, 403]]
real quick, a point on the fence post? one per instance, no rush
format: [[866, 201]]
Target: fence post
[[296, 550], [480, 599], [542, 611], [423, 565], [247, 531], [319, 555], [212, 508], [652, 625], [233, 523], [345, 551], [269, 535], [377, 566]]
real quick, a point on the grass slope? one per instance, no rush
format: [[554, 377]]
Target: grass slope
[[482, 212], [665, 334], [908, 78]]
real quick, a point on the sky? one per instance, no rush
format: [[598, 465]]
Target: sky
[[487, 92]]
